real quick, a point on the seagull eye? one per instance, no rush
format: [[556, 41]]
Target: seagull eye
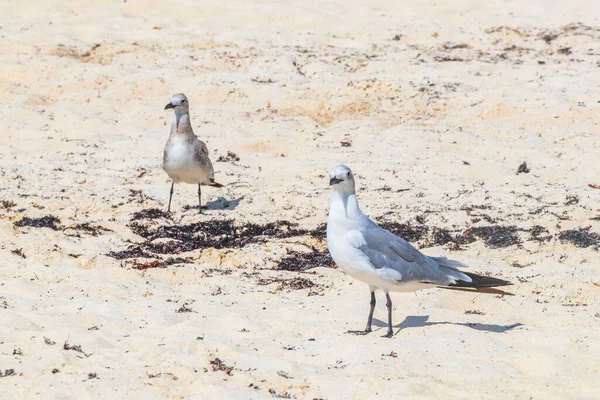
[[349, 174]]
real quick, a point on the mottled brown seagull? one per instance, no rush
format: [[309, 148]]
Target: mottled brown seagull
[[186, 157]]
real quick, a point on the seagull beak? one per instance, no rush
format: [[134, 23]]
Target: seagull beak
[[334, 181], [170, 105]]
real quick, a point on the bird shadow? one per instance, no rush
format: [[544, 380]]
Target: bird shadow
[[420, 321], [223, 204]]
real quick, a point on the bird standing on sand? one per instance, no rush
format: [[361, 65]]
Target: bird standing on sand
[[381, 259], [186, 157]]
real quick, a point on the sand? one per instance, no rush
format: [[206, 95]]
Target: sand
[[434, 106]]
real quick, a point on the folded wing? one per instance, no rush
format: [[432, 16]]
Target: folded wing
[[386, 250]]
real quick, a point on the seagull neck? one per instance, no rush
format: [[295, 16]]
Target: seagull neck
[[344, 205], [181, 122]]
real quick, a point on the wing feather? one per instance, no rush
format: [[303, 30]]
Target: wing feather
[[386, 250]]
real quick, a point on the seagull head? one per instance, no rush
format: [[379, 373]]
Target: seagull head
[[179, 103], [341, 179]]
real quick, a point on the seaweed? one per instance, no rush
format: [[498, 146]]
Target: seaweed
[[300, 262], [19, 252], [219, 365], [406, 231], [231, 156], [159, 263], [523, 169], [537, 232], [493, 236], [49, 221], [87, 228], [580, 237], [7, 204], [218, 234], [151, 213]]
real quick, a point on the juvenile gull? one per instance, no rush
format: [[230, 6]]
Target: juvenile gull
[[381, 259], [186, 157]]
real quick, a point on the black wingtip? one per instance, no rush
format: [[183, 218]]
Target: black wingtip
[[480, 281], [215, 184]]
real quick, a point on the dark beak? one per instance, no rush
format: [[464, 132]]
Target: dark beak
[[335, 180], [170, 105]]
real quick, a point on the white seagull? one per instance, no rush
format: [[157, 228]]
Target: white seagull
[[381, 259]]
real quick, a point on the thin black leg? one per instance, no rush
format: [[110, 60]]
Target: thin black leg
[[171, 196], [370, 320], [388, 303], [199, 200]]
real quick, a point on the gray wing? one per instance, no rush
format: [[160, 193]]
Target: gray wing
[[386, 250], [201, 157]]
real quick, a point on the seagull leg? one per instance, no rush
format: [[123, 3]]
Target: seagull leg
[[370, 320], [171, 196], [388, 303], [199, 200]]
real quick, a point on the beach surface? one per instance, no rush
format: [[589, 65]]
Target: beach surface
[[473, 132]]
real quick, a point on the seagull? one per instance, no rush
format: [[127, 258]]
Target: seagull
[[185, 158], [374, 255]]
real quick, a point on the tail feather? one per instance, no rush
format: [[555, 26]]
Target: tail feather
[[215, 184], [480, 281]]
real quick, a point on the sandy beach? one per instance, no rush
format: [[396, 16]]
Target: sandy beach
[[473, 132]]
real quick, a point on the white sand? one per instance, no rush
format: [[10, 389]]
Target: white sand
[[282, 84]]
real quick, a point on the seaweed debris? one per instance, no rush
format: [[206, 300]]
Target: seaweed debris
[[406, 231], [132, 251], [231, 156], [537, 234], [219, 365], [151, 213], [493, 236], [580, 237], [320, 232], [218, 234], [87, 228], [297, 283], [300, 262], [19, 252], [49, 221], [7, 204], [159, 263], [523, 169]]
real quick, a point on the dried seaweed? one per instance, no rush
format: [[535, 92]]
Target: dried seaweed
[[493, 236], [159, 263], [216, 234], [151, 213], [580, 237], [19, 252], [231, 156], [87, 228], [406, 231], [299, 262], [537, 232], [219, 365], [523, 169], [7, 204], [49, 221]]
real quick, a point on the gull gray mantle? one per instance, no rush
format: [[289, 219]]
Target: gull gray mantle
[[381, 259], [185, 158]]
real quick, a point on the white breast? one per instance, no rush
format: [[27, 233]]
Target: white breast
[[180, 163], [351, 260]]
